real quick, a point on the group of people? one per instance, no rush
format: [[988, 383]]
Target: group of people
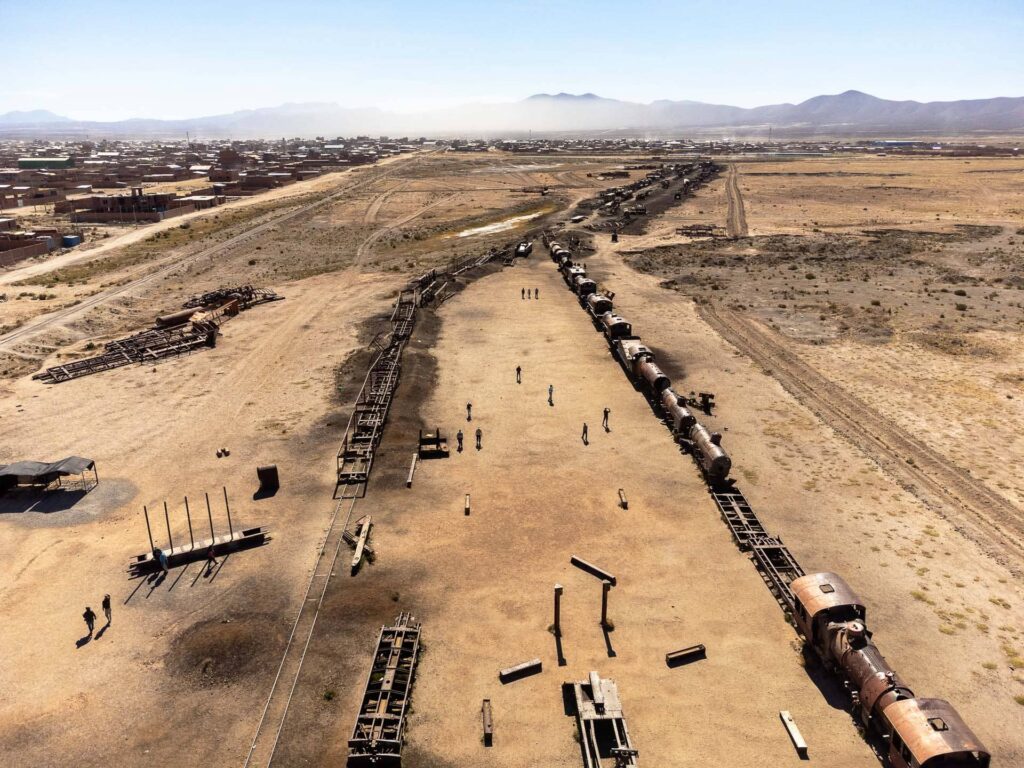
[[524, 293], [551, 401], [604, 423], [479, 439], [90, 614]]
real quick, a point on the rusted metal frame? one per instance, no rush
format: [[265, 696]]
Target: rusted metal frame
[[380, 725]]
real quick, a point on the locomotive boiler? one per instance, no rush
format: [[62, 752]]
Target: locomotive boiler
[[920, 733]]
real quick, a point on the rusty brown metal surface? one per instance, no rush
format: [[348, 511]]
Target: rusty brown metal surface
[[818, 592], [934, 732]]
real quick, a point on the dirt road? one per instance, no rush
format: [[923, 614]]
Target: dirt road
[[43, 322], [977, 511], [736, 225]]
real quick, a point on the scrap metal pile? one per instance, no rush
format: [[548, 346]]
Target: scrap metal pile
[[611, 203], [911, 731], [194, 327]]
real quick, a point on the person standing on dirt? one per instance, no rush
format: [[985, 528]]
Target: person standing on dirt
[[479, 438], [551, 394], [469, 411], [90, 619], [522, 293], [459, 438], [106, 608], [604, 423], [519, 374], [536, 293], [585, 434]]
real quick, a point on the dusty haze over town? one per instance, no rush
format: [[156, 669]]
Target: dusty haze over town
[[529, 384]]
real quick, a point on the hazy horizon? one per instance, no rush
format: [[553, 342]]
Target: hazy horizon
[[193, 59]]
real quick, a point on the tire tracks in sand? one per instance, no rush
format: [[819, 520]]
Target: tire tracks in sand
[[967, 503]]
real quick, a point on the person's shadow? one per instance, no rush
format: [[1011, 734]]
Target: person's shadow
[[83, 640], [103, 629]]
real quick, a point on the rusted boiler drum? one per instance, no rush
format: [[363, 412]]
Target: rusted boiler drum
[[832, 618], [679, 415], [175, 318], [553, 246], [598, 304], [615, 326], [572, 273], [654, 377], [713, 459], [630, 351], [584, 286]]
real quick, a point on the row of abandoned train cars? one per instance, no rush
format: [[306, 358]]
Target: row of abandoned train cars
[[907, 731]]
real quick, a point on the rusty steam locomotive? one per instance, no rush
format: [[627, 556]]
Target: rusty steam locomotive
[[913, 732]]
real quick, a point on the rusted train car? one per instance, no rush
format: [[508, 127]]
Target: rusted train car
[[914, 732], [919, 733]]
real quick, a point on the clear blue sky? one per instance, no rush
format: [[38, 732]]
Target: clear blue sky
[[180, 58]]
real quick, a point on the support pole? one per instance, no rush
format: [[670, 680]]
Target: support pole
[[188, 516], [209, 514], [231, 530], [149, 531], [605, 589], [558, 610], [167, 519]]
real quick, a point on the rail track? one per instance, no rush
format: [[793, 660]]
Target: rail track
[[736, 225], [41, 323], [972, 507], [275, 712]]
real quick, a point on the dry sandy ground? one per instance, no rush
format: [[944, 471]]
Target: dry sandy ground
[[170, 678], [945, 614], [482, 585], [192, 650], [184, 671]]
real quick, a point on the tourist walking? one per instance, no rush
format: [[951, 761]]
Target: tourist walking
[[585, 434], [519, 374], [479, 438], [536, 293], [551, 394], [469, 411], [106, 607], [605, 422], [522, 293], [90, 619], [459, 438]]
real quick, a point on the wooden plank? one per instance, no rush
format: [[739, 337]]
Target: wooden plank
[[531, 667], [622, 499], [488, 719], [685, 655], [412, 468], [794, 734], [592, 569], [364, 533]]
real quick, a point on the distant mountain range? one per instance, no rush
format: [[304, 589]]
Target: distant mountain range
[[851, 113]]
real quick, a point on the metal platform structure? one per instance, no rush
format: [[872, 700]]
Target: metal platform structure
[[604, 737], [739, 516], [246, 295], [366, 424], [176, 334], [148, 346], [171, 556], [380, 725]]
